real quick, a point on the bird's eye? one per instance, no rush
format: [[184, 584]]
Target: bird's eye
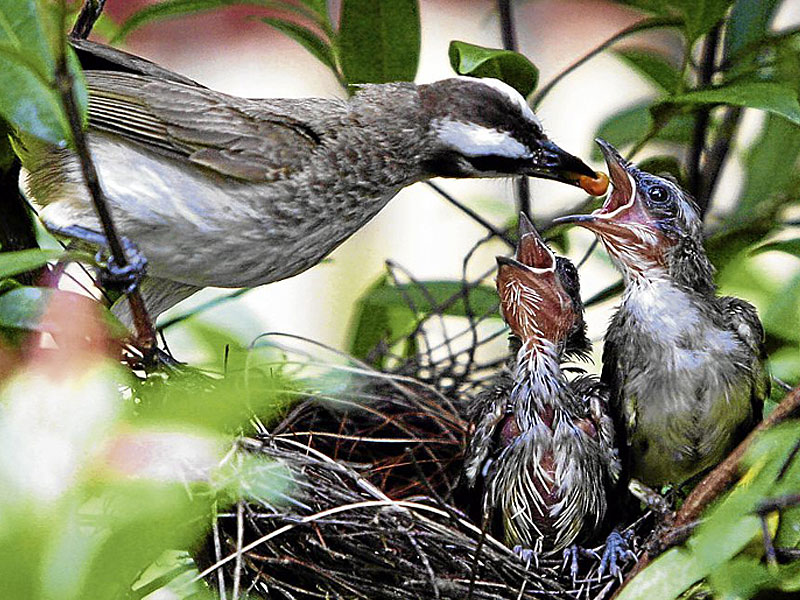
[[658, 193]]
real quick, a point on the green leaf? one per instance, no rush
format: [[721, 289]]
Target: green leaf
[[788, 246], [22, 261], [747, 24], [389, 312], [320, 49], [28, 98], [24, 307], [783, 314], [505, 65], [654, 66], [700, 16], [632, 124], [170, 9], [664, 164], [379, 40], [770, 170], [773, 98], [320, 7]]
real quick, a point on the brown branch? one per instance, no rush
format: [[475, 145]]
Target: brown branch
[[90, 12], [716, 482], [145, 333]]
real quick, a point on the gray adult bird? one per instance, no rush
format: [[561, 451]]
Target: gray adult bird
[[543, 447], [686, 367], [223, 191]]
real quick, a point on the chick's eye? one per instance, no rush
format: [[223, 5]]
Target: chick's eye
[[658, 193]]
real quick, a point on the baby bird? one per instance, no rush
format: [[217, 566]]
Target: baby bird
[[543, 448], [684, 366]]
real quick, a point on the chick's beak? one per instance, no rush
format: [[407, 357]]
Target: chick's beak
[[532, 298], [552, 162], [623, 210]]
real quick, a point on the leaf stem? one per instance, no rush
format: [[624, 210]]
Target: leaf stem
[[643, 25], [702, 120]]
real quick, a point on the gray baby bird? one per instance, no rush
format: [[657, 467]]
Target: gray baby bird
[[685, 366]]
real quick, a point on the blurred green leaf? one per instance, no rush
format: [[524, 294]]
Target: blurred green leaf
[[630, 125], [511, 67], [168, 9], [770, 169], [14, 263], [379, 40], [24, 308], [318, 48], [773, 98], [788, 246], [28, 98], [388, 312], [700, 16], [320, 7], [654, 66], [783, 314], [747, 24], [664, 164]]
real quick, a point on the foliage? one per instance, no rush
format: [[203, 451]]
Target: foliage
[[79, 421]]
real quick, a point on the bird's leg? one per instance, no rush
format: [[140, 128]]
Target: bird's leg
[[571, 555], [763, 511], [650, 498], [112, 276], [528, 555], [617, 548]]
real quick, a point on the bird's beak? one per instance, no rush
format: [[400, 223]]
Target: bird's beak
[[552, 162], [533, 300], [623, 211]]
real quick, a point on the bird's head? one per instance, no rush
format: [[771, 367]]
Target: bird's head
[[643, 218], [484, 128], [540, 294]]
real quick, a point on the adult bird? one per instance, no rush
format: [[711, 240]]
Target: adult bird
[[218, 190], [542, 453], [685, 366]]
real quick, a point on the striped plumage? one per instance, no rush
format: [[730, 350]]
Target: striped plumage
[[542, 453]]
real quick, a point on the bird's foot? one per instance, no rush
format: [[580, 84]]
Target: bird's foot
[[527, 555], [571, 556], [124, 279], [650, 498], [617, 549]]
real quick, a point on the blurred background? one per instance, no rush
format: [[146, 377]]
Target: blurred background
[[230, 51]]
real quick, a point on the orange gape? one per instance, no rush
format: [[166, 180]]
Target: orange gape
[[596, 186]]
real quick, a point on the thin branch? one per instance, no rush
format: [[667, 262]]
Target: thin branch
[[473, 215], [90, 12], [65, 85], [509, 34], [702, 120], [642, 25], [715, 157]]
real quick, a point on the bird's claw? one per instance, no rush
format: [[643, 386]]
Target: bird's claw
[[527, 555], [617, 549], [122, 278]]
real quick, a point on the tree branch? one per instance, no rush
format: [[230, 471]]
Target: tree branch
[[146, 336], [90, 12]]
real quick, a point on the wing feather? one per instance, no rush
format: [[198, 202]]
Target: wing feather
[[231, 136]]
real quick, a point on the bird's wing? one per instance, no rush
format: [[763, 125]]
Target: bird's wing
[[742, 319], [595, 395], [487, 410], [231, 136]]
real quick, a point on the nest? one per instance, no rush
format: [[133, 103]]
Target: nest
[[374, 461]]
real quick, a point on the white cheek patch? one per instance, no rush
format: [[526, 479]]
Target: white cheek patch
[[473, 140], [513, 95]]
